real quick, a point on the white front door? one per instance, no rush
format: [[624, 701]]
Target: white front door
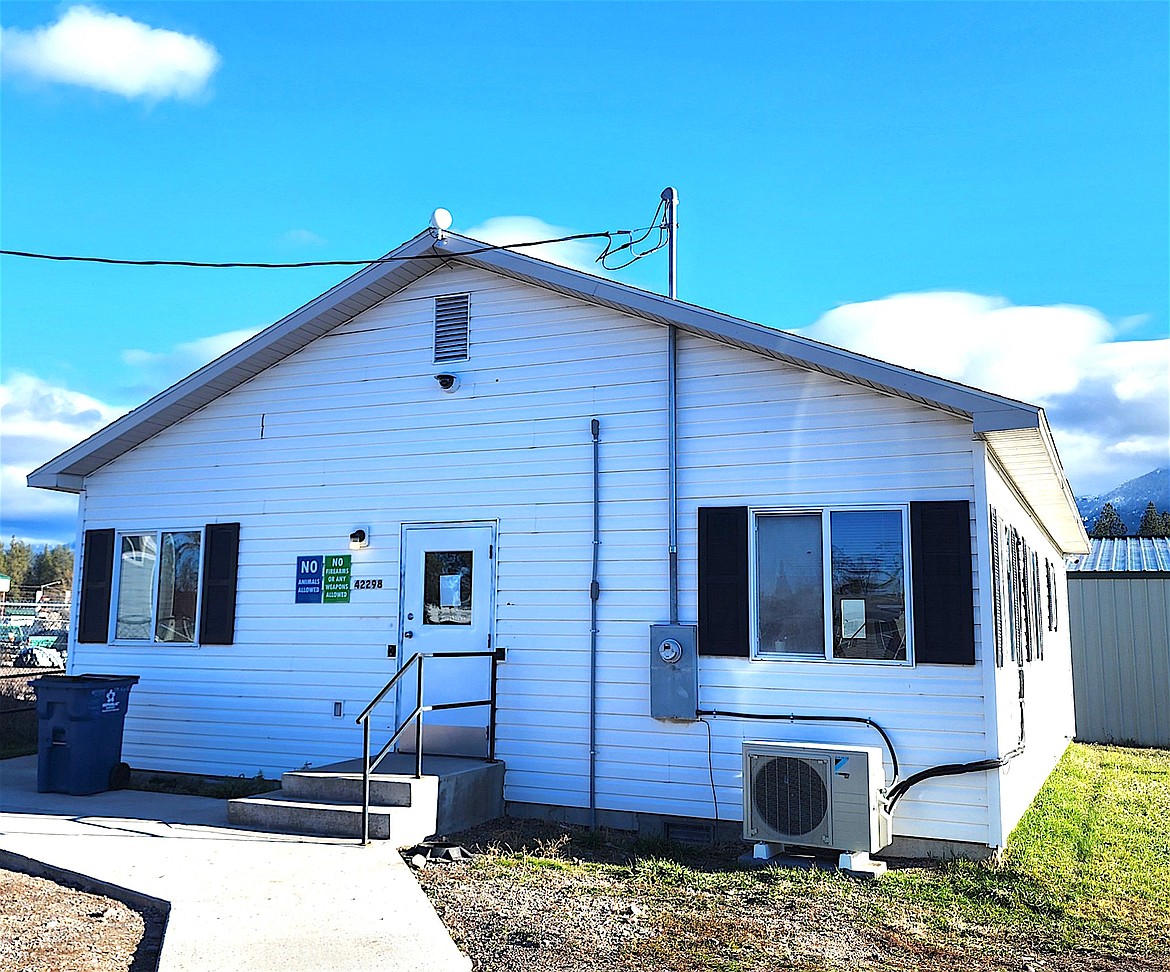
[[448, 605]]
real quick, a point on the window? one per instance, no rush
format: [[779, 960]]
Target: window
[[447, 587], [157, 586], [160, 586], [831, 584]]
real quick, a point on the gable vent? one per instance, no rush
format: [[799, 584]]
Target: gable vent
[[451, 325]]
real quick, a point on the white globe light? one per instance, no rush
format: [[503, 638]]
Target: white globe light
[[441, 219]]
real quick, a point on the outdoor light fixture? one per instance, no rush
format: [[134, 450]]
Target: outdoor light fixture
[[359, 538]]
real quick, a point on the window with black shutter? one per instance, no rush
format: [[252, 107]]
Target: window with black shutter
[[173, 587], [838, 584]]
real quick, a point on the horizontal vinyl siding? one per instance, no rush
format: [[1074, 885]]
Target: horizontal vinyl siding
[[355, 431], [755, 433], [1049, 711]]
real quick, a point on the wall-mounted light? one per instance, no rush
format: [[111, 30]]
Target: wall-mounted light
[[359, 538]]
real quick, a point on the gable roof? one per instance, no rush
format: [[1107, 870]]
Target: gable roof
[[1017, 432]]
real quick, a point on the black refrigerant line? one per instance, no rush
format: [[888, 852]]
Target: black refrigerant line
[[896, 790], [956, 769], [792, 717]]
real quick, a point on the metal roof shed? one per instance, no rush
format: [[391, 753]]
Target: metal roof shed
[[1119, 612]]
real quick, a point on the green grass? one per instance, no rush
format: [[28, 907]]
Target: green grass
[[1085, 870], [216, 787], [1097, 839]]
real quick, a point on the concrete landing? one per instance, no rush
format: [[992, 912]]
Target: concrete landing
[[240, 900], [453, 794]]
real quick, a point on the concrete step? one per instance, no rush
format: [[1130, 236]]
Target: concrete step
[[334, 787], [281, 813], [469, 791], [453, 794]]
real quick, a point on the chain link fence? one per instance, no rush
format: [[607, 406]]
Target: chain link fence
[[34, 641]]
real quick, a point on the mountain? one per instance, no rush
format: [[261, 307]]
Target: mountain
[[1129, 499]]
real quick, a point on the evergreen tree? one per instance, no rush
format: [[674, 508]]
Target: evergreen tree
[[16, 562], [52, 569], [1108, 524], [1154, 524]]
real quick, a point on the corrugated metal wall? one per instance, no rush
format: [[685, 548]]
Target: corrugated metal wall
[[1121, 658]]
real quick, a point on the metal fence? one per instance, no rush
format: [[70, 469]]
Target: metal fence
[[1120, 628], [39, 624]]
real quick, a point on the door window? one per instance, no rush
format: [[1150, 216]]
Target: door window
[[447, 587]]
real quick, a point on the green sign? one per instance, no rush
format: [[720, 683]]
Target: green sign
[[337, 579]]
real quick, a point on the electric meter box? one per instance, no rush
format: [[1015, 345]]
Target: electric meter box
[[674, 672]]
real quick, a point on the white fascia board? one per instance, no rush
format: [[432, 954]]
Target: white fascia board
[[1028, 459]]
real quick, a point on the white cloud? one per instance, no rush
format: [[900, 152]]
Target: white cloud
[[159, 369], [95, 49], [1108, 400], [40, 421], [508, 230]]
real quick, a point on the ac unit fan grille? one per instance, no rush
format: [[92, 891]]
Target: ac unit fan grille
[[789, 794]]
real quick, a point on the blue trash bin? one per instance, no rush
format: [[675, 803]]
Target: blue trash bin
[[79, 731]]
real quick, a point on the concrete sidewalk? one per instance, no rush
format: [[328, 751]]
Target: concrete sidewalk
[[240, 900]]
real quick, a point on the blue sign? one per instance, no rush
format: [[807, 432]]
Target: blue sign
[[310, 579]]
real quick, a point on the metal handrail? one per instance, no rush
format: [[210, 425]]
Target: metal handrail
[[415, 716]]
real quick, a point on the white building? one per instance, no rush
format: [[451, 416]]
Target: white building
[[854, 539]]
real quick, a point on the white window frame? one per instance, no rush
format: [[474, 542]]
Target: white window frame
[[116, 587], [825, 513]]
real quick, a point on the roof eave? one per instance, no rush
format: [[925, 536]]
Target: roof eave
[[1029, 459]]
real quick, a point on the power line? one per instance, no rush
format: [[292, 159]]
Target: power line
[[437, 254]]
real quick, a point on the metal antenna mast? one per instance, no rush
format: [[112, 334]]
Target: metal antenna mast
[[670, 197]]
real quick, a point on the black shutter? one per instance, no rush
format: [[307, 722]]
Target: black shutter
[[97, 572], [996, 595], [217, 612], [1036, 603], [944, 612], [1026, 580], [723, 581]]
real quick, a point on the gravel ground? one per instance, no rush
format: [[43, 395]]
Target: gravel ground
[[507, 914], [48, 927]]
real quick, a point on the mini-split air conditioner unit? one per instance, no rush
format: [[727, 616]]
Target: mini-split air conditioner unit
[[815, 796]]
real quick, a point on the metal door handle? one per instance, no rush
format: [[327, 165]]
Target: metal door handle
[[407, 634]]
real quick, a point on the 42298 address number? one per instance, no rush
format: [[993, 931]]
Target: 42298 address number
[[373, 584]]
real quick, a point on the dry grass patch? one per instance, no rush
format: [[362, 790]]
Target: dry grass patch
[[1081, 887]]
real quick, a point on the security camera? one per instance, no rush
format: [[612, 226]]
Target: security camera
[[447, 382]]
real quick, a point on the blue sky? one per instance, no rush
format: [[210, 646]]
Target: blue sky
[[978, 190]]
